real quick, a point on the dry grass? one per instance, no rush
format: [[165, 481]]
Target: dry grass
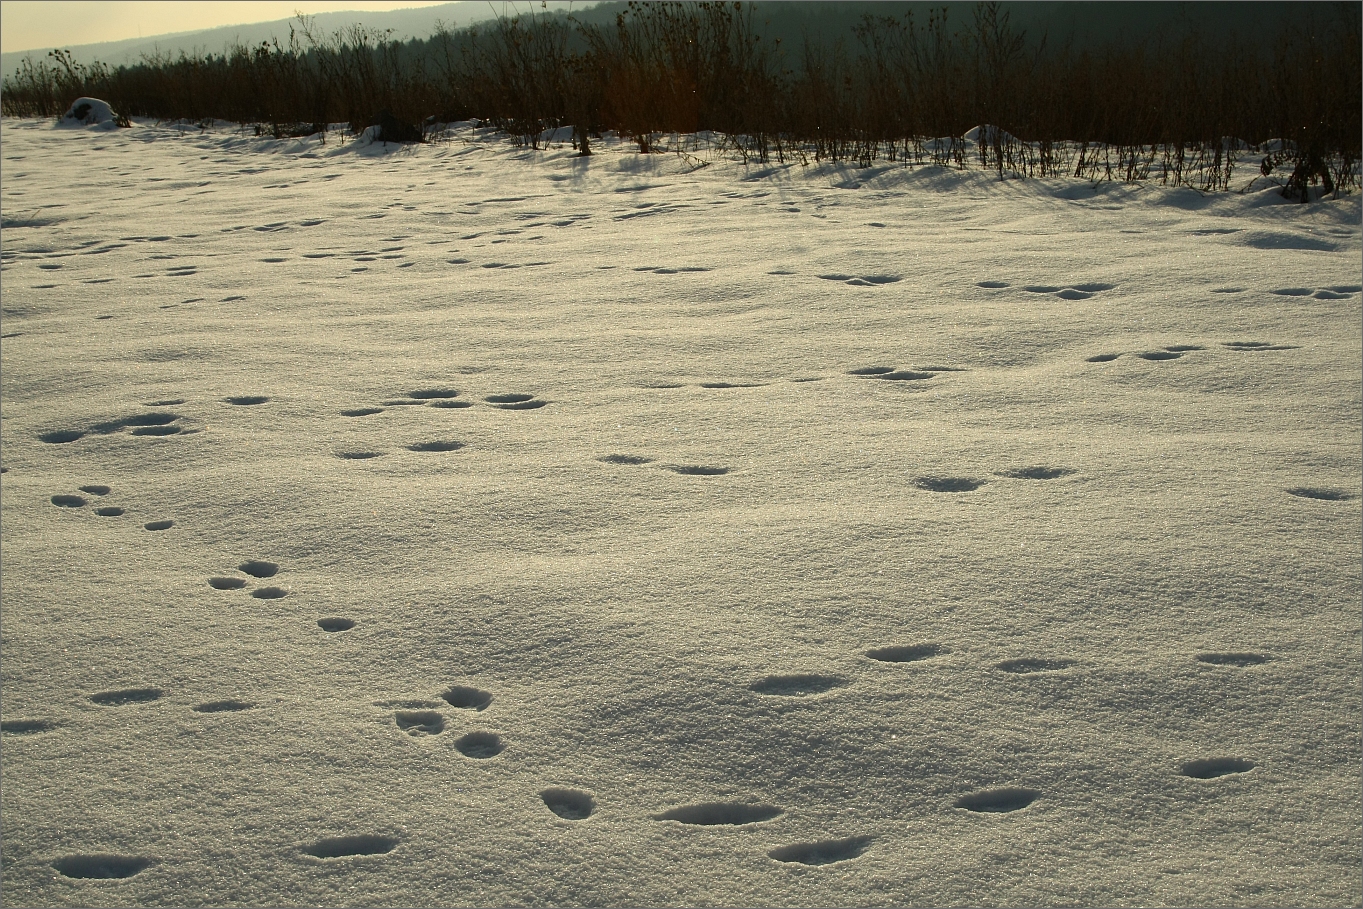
[[1164, 111]]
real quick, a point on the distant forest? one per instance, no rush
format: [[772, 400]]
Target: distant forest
[[854, 82]]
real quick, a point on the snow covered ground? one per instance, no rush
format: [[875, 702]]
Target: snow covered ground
[[469, 525]]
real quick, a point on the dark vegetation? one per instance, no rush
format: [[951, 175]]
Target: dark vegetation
[[901, 88]]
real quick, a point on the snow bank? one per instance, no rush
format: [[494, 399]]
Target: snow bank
[[90, 112], [988, 135]]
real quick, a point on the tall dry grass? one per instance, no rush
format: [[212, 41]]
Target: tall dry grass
[[895, 89]]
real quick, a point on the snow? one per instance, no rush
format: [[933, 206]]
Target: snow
[[988, 135], [463, 524], [89, 112]]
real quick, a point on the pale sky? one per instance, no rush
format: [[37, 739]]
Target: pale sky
[[34, 24]]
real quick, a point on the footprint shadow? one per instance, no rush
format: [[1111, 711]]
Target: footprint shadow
[[333, 847], [797, 685], [466, 697], [26, 727], [948, 484], [1030, 665], [1241, 659], [569, 804], [1212, 768], [998, 801], [1037, 473], [126, 696], [1321, 493], [911, 653], [228, 706], [101, 866], [822, 852], [715, 814], [420, 722], [480, 745], [698, 470]]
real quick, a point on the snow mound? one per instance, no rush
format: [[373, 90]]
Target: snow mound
[[988, 135], [90, 112]]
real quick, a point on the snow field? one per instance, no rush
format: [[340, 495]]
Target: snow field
[[467, 525]]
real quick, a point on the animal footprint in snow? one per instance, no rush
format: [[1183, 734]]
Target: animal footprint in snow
[[1337, 292], [143, 424], [1324, 494], [948, 484], [94, 489], [126, 696], [911, 653], [822, 852], [697, 470], [664, 270], [1256, 346], [714, 814], [258, 569], [445, 398], [26, 727], [1240, 659], [466, 697], [420, 722], [891, 374], [798, 685], [1031, 665], [437, 446], [624, 459], [433, 394], [862, 280], [480, 745], [101, 866], [515, 401], [156, 423], [1036, 473], [247, 400], [333, 847], [998, 801], [1069, 291], [333, 625], [569, 804], [231, 705], [61, 436], [1211, 768], [435, 397]]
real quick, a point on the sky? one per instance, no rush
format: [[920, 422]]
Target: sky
[[41, 24]]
